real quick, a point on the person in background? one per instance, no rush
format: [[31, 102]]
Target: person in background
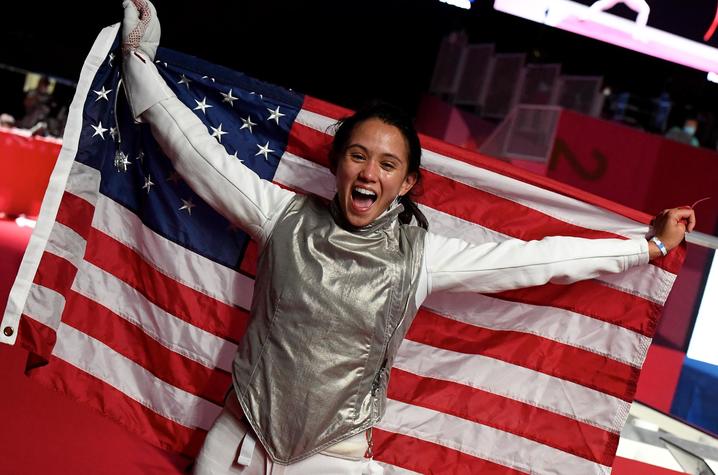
[[685, 134], [38, 104], [6, 120]]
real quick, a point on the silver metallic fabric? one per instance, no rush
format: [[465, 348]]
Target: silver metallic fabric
[[331, 306]]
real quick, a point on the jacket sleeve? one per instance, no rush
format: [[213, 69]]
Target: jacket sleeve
[[227, 185], [458, 266]]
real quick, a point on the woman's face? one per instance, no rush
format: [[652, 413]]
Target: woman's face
[[372, 171]]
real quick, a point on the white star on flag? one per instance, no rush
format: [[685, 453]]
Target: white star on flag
[[99, 130], [184, 80], [202, 105], [218, 133], [122, 161], [229, 98], [102, 94], [112, 56], [247, 124], [113, 133], [275, 114], [235, 156], [188, 205], [148, 184], [264, 151]]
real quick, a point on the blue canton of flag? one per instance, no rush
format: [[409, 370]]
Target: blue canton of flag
[[251, 119]]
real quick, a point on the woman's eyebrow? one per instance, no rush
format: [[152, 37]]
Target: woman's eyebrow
[[357, 145], [366, 150]]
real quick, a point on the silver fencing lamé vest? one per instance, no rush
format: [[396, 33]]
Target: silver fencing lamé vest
[[331, 306]]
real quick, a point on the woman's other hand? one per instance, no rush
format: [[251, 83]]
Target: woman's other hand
[[670, 227], [140, 28]]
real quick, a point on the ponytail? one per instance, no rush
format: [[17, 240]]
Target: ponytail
[[411, 210]]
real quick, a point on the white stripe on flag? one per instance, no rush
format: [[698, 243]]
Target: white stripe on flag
[[318, 122], [66, 243], [303, 175], [173, 260], [514, 382], [390, 469], [454, 227], [84, 182], [555, 324], [482, 441], [561, 207], [45, 306], [170, 331], [647, 281], [136, 382]]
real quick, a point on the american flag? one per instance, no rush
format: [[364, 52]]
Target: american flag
[[135, 292]]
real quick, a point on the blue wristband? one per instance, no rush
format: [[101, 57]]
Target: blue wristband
[[661, 246]]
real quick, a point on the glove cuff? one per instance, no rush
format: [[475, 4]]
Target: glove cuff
[[143, 84]]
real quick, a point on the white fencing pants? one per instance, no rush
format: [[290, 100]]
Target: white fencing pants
[[231, 448]]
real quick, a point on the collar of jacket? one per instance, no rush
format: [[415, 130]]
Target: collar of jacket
[[385, 220]]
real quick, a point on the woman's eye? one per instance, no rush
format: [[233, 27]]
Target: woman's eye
[[357, 156], [388, 166]]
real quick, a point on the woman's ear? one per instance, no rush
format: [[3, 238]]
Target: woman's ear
[[409, 182]]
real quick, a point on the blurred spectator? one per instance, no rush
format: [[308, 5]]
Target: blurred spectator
[[685, 134], [6, 120], [56, 123], [661, 111], [38, 104]]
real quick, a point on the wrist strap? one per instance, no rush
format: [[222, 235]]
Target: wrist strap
[[661, 246]]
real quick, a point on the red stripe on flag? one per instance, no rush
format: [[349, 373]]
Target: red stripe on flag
[[505, 414], [530, 351], [131, 341], [55, 273], [249, 259], [324, 108], [155, 429], [491, 211], [512, 171], [595, 300], [426, 457], [37, 338], [309, 144], [75, 213], [174, 297]]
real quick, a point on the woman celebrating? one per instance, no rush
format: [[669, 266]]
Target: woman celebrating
[[338, 285]]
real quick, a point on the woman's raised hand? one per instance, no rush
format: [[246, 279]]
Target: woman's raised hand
[[140, 28], [670, 227]]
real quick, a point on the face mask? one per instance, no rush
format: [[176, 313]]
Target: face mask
[[690, 130]]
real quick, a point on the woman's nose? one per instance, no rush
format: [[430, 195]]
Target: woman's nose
[[369, 171]]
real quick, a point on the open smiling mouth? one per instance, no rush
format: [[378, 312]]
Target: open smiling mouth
[[363, 199]]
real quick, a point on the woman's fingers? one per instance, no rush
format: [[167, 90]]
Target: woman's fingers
[[685, 215]]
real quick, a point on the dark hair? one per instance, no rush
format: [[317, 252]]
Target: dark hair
[[390, 115]]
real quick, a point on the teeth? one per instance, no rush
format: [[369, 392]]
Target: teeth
[[362, 191]]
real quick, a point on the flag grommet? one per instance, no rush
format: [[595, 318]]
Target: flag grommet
[[8, 331]]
